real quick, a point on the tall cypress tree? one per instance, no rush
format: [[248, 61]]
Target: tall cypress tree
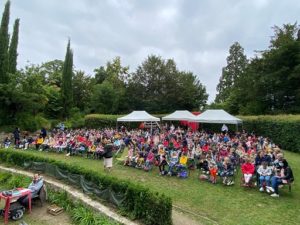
[[66, 89], [4, 42], [12, 52]]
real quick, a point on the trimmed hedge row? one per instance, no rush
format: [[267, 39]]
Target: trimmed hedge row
[[281, 129], [140, 203], [100, 120]]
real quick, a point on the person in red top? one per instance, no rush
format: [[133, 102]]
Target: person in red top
[[248, 170]]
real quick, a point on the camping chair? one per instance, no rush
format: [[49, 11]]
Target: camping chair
[[41, 195]]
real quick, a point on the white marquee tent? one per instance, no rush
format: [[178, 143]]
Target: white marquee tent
[[179, 115], [217, 116], [138, 116]]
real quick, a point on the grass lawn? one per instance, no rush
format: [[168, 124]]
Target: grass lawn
[[224, 205]]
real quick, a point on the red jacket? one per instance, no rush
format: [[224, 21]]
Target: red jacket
[[248, 168]]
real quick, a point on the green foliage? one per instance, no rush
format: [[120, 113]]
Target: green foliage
[[4, 42], [12, 52], [67, 86], [13, 181], [76, 120], [82, 90], [139, 201], [282, 129], [100, 120], [236, 65], [32, 123], [158, 86], [269, 84]]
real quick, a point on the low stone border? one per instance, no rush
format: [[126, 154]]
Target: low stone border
[[78, 195]]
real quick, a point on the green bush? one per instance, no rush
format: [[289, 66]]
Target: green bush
[[283, 130], [140, 202], [100, 120], [32, 123]]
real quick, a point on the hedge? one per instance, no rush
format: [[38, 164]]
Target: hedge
[[100, 120], [139, 202], [283, 130]]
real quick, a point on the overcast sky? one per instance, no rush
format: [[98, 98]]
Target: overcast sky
[[196, 33]]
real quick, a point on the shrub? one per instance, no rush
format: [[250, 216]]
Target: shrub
[[140, 202], [32, 123], [100, 120]]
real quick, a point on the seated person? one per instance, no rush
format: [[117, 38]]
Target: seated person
[[91, 151], [24, 143], [38, 142], [162, 163], [226, 171], [248, 170], [6, 142], [35, 186], [149, 160], [129, 157], [45, 144], [140, 160], [282, 176], [203, 163], [264, 172], [173, 161], [280, 162]]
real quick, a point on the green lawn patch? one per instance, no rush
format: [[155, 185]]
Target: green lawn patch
[[225, 205]]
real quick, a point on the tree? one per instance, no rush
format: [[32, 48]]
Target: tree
[[158, 86], [4, 42], [100, 74], [13, 47], [236, 65], [67, 87], [82, 90], [52, 71]]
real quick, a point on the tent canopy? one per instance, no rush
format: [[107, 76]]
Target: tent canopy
[[138, 116], [217, 116], [179, 115]]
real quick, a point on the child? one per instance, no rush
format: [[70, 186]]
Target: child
[[248, 170], [213, 170], [173, 162], [264, 172], [227, 171]]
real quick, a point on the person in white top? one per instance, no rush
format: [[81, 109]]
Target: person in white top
[[264, 172], [224, 128]]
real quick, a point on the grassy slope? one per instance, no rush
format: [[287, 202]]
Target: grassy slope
[[226, 205]]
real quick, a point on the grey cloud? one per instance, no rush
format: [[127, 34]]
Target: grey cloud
[[196, 34]]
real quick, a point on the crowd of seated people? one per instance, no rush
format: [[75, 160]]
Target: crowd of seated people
[[176, 151]]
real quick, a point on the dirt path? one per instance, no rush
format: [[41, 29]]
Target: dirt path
[[179, 218], [40, 216]]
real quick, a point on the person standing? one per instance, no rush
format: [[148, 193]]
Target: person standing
[[16, 134], [43, 132], [108, 156]]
